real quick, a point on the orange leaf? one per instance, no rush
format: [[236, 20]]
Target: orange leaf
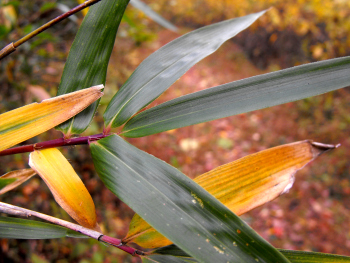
[[243, 184], [66, 186], [26, 122]]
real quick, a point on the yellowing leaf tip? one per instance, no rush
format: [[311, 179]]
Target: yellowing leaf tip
[[325, 146], [319, 148], [94, 89]]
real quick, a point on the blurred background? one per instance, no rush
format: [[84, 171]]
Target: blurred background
[[313, 216]]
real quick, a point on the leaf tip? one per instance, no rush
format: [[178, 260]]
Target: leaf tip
[[98, 87], [319, 148]]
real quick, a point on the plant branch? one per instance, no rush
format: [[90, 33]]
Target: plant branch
[[53, 144], [15, 210], [12, 46], [19, 211]]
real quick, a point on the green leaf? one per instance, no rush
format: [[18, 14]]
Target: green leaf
[[161, 69], [313, 257], [242, 96], [6, 181], [165, 259], [153, 15], [293, 255], [176, 206], [171, 250], [18, 228], [88, 57]]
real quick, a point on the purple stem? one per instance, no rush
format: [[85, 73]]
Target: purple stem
[[53, 143], [118, 243]]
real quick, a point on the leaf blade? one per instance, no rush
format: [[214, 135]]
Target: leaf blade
[[89, 56], [6, 181], [26, 122], [170, 196], [17, 177], [294, 256], [161, 69], [18, 228], [313, 257], [153, 15], [165, 259], [242, 185], [66, 186], [242, 96]]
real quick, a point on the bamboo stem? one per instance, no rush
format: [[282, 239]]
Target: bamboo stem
[[12, 46], [19, 211], [53, 144], [15, 210]]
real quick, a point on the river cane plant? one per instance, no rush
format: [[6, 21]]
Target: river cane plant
[[177, 219]]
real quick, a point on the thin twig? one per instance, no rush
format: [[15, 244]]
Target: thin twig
[[7, 208], [53, 144], [12, 46], [19, 211]]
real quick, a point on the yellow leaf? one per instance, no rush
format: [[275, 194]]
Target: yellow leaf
[[19, 177], [9, 16], [66, 186], [243, 184], [26, 122], [143, 234]]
